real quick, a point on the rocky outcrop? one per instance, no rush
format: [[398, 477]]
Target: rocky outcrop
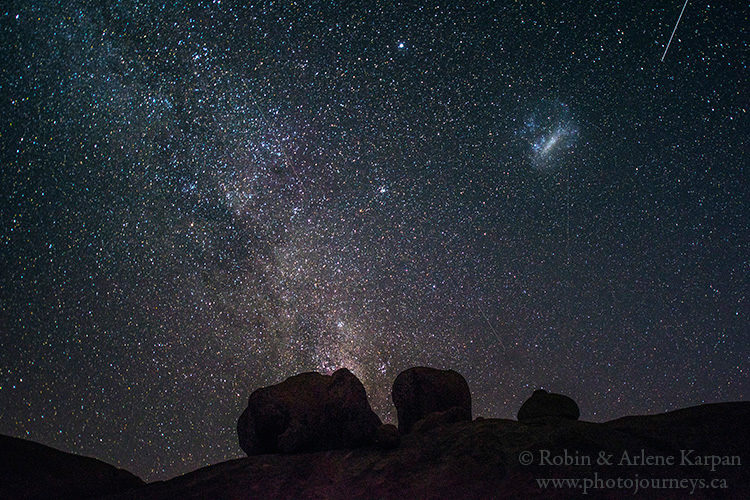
[[543, 404], [438, 419], [32, 470], [419, 391], [308, 412], [498, 458], [387, 437]]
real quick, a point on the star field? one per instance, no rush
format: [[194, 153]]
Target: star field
[[199, 200]]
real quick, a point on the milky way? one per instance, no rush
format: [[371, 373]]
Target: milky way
[[200, 200]]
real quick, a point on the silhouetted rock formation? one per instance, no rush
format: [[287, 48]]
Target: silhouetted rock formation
[[440, 419], [308, 412], [419, 391], [482, 459], [387, 437], [32, 470], [544, 404]]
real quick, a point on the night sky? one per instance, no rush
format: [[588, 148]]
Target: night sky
[[196, 201]]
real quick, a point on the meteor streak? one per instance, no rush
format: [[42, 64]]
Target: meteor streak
[[675, 29]]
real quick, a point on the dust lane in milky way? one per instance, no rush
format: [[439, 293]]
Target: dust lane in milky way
[[200, 200]]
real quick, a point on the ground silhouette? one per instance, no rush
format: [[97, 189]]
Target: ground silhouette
[[697, 452]]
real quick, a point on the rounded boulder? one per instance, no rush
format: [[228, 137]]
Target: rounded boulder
[[543, 404], [308, 412], [420, 391]]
